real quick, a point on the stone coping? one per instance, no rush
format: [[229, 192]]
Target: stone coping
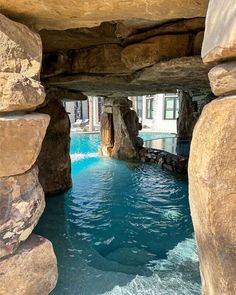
[[165, 160]]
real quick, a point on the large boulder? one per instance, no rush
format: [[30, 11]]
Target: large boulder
[[55, 40], [32, 270], [187, 73], [156, 49], [220, 35], [21, 49], [21, 205], [212, 195], [99, 59], [223, 78], [186, 120], [54, 158], [61, 15], [126, 128], [20, 141], [18, 93]]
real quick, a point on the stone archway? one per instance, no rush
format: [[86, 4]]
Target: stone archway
[[97, 53]]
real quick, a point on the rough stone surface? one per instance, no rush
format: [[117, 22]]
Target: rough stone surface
[[187, 73], [54, 158], [123, 146], [107, 133], [194, 26], [223, 78], [156, 49], [21, 205], [64, 40], [220, 35], [212, 195], [21, 49], [116, 32], [165, 160], [99, 59], [51, 14], [186, 120], [119, 130], [126, 129], [18, 93], [32, 270], [20, 141]]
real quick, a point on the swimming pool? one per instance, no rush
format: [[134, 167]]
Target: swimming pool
[[123, 229]]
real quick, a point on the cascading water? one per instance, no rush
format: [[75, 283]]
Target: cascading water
[[123, 229]]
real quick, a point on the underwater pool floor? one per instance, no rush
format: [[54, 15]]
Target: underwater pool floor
[[123, 229]]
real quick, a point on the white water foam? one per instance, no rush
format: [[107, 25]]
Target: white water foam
[[178, 274], [80, 156]]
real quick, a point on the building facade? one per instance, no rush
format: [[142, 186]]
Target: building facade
[[158, 112], [78, 111]]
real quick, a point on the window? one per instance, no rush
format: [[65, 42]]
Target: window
[[149, 108], [171, 107], [139, 106]]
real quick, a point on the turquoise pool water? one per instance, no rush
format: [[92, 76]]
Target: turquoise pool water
[[123, 229]]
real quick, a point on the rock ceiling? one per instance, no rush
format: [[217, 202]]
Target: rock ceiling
[[61, 14], [105, 61], [118, 48], [186, 73]]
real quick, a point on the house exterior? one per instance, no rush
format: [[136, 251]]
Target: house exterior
[[79, 110], [158, 112]]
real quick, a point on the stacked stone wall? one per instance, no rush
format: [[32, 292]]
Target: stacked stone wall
[[21, 194], [212, 161]]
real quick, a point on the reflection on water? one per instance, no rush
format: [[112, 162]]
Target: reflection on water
[[122, 229], [172, 145]]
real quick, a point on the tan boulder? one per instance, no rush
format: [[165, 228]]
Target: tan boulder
[[186, 120], [21, 205], [119, 130], [21, 49], [54, 40], [20, 141], [18, 93], [187, 73], [220, 34], [54, 159], [194, 25], [61, 15], [223, 78], [212, 195], [32, 270], [99, 59], [156, 49]]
